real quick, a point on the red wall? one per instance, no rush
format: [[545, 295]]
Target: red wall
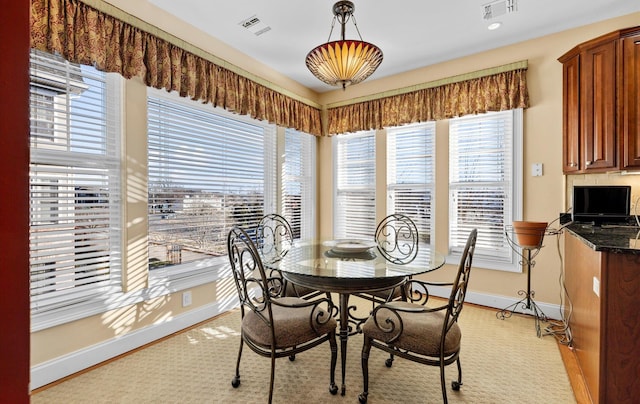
[[14, 202]]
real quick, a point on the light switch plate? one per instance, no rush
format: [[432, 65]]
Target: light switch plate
[[596, 286]]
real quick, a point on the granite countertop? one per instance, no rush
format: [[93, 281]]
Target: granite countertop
[[610, 238]]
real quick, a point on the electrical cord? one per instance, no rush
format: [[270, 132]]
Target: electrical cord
[[560, 329]]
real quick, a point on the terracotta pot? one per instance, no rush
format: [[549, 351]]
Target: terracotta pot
[[529, 234]]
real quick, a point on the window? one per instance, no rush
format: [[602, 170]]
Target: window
[[355, 179], [75, 218], [298, 183], [485, 191], [208, 170], [410, 175]]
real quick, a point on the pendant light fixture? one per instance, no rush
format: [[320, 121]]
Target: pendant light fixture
[[347, 61]]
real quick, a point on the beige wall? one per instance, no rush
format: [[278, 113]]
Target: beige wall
[[544, 196]]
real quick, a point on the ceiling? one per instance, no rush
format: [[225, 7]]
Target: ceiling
[[411, 33]]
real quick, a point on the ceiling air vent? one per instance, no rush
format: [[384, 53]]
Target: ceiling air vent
[[254, 25], [498, 8]]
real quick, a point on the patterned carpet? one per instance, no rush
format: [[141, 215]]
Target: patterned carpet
[[502, 362]]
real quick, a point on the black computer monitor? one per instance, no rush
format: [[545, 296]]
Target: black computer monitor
[[600, 204]]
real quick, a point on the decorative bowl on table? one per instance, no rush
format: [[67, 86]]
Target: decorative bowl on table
[[350, 246]]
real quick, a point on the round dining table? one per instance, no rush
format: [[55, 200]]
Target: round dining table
[[332, 266]]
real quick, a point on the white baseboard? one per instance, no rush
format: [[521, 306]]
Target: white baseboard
[[50, 371], [498, 302], [67, 365]]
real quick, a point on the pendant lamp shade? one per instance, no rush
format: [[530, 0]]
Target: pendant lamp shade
[[344, 62]]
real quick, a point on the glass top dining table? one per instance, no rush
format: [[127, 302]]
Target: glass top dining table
[[322, 266]]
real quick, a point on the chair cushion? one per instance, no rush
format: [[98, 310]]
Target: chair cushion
[[292, 290], [390, 294], [421, 331], [292, 325]]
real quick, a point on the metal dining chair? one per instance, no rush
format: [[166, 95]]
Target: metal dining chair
[[274, 326], [274, 238], [422, 334], [397, 240]]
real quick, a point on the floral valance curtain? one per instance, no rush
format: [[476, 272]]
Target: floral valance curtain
[[82, 34], [495, 92]]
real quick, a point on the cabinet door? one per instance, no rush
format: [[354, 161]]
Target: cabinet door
[[598, 99], [630, 98], [571, 115]]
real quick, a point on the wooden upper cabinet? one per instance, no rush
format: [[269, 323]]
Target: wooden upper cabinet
[[570, 114], [630, 100], [598, 101], [601, 104]]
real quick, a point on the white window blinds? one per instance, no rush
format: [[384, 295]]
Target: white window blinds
[[410, 175], [208, 171], [75, 218], [483, 182], [355, 208], [298, 183]]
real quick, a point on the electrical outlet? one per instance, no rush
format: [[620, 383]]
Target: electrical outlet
[[186, 299], [565, 218], [536, 169]]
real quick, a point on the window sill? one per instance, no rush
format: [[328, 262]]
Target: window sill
[[158, 287]]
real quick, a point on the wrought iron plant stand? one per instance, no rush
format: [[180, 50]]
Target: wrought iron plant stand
[[527, 303]]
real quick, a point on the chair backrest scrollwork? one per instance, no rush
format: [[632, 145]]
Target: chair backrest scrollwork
[[397, 238], [253, 286], [274, 237], [459, 288]]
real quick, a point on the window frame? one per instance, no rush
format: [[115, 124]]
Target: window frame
[[305, 175], [426, 130], [483, 257], [364, 232], [206, 270], [78, 304]]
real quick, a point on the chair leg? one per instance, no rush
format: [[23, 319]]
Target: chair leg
[[442, 383], [366, 348], [273, 371], [455, 385], [333, 387], [235, 382], [389, 361]]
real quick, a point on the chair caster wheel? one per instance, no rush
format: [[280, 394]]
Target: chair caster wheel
[[333, 389], [292, 357], [455, 385], [235, 382], [388, 362], [362, 398]]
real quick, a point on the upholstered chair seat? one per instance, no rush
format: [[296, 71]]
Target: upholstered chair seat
[[417, 324], [291, 325]]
